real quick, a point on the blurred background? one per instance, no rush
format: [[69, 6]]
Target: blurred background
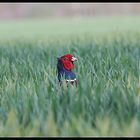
[[53, 10], [39, 21]]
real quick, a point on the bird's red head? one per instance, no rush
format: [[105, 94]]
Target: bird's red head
[[67, 61]]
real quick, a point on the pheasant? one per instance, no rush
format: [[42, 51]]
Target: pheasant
[[65, 66]]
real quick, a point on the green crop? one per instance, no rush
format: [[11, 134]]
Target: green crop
[[107, 99]]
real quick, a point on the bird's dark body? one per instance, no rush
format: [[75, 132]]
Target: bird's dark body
[[65, 74]]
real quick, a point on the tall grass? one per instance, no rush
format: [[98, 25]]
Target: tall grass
[[105, 103]]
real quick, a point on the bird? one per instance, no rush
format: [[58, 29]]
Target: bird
[[65, 65]]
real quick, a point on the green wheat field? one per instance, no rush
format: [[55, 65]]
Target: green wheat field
[[107, 99]]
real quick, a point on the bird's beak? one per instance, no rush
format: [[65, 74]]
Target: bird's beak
[[74, 59]]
